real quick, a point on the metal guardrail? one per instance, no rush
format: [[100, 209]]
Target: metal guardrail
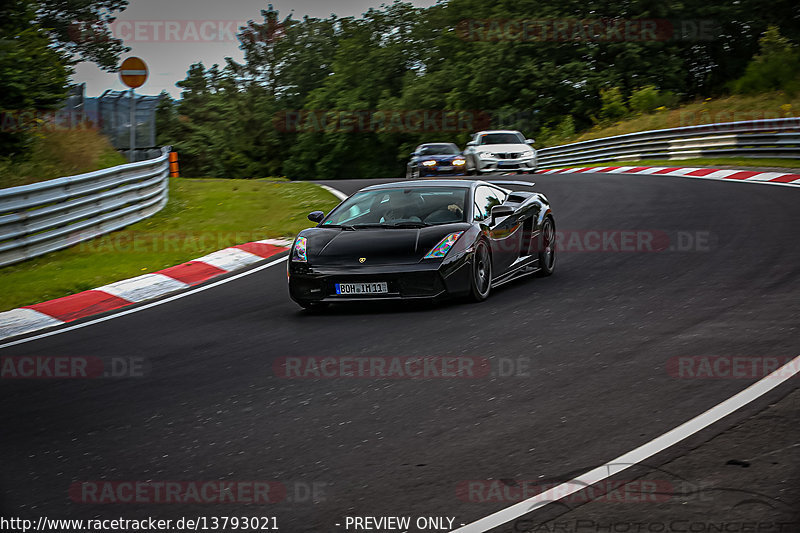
[[54, 214], [774, 138]]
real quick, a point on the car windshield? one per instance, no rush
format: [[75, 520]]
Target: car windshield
[[500, 138], [400, 207], [438, 149]]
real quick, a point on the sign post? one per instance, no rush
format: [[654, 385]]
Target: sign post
[[133, 73]]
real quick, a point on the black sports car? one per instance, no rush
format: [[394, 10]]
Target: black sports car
[[422, 239], [436, 159]]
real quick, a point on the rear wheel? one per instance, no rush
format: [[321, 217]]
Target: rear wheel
[[481, 280], [547, 248]]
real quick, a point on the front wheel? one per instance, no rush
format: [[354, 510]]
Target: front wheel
[[547, 248], [481, 279]]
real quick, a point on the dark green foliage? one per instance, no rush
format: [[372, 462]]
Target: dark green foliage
[[38, 47], [776, 67], [399, 59]]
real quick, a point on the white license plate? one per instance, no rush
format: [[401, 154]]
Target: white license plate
[[379, 287], [445, 168]]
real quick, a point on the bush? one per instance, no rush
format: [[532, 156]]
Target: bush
[[57, 153], [649, 98], [559, 134], [613, 104], [775, 67]]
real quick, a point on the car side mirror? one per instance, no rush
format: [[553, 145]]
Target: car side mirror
[[530, 141], [501, 211], [472, 143], [316, 216]]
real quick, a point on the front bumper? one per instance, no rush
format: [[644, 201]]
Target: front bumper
[[426, 280], [450, 170], [526, 164]]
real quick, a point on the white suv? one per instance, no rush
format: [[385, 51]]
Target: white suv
[[500, 151]]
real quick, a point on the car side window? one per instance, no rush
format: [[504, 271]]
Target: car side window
[[485, 199]]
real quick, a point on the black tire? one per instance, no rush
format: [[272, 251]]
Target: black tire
[[481, 279], [547, 248]]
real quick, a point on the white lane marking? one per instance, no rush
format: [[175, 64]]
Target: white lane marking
[[277, 242], [336, 192], [727, 180], [124, 311], [682, 171], [143, 287], [758, 180], [22, 320], [721, 173], [649, 170], [766, 176], [639, 454], [229, 259]]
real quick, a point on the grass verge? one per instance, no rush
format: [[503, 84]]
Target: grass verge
[[202, 216], [743, 163], [776, 104], [59, 153]]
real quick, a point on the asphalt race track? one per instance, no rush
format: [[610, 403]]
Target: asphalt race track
[[588, 350]]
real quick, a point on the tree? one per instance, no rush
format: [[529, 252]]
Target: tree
[[33, 76], [81, 28], [777, 66]]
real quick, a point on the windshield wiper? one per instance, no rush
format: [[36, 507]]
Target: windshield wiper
[[408, 225], [387, 225]]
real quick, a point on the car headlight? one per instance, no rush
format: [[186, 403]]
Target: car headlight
[[459, 162], [486, 155], [299, 250], [429, 163], [441, 249], [527, 153]]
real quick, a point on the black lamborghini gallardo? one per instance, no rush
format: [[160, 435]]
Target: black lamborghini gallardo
[[422, 239]]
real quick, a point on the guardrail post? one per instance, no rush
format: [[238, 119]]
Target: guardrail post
[[173, 165]]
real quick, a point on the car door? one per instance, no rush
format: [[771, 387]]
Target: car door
[[504, 234]]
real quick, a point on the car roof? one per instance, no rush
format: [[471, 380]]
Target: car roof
[[438, 144], [497, 131], [466, 184]]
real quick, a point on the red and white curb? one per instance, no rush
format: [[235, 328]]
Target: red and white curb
[[138, 289], [773, 178]]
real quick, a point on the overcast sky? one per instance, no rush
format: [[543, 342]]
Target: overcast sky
[[171, 35]]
